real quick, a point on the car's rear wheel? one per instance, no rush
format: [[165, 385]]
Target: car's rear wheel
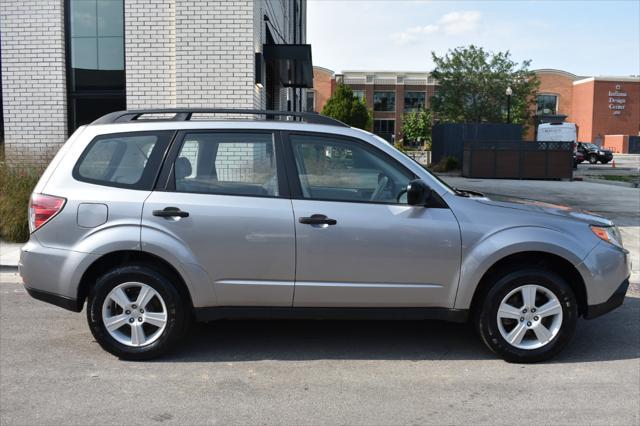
[[593, 159], [528, 315], [136, 313]]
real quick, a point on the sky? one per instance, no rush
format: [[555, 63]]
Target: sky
[[586, 38]]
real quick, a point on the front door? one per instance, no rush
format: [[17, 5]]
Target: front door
[[358, 244], [239, 227]]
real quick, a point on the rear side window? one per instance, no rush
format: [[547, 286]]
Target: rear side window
[[227, 164], [125, 160]]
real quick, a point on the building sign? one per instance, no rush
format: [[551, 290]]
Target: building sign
[[617, 100]]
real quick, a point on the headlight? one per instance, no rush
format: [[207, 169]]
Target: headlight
[[610, 234], [600, 153]]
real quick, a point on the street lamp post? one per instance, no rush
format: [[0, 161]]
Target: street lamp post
[[509, 92]]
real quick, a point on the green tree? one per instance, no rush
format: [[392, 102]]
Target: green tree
[[416, 127], [472, 85], [343, 106]]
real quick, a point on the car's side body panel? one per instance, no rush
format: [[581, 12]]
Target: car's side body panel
[[376, 255]]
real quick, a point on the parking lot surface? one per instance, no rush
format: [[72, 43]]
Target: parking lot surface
[[327, 372]]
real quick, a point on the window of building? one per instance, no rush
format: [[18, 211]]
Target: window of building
[[95, 59], [384, 101], [359, 94], [547, 105], [384, 126], [414, 101], [311, 101]]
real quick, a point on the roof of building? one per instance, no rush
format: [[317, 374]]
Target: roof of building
[[323, 69], [613, 78], [558, 72]]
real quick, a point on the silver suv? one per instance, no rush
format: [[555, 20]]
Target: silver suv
[[155, 219]]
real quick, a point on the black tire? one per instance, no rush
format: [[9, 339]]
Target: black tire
[[503, 283], [178, 316], [593, 159]]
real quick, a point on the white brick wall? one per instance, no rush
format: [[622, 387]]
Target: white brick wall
[[33, 79], [150, 36]]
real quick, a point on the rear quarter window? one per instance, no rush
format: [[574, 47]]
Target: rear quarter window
[[124, 160]]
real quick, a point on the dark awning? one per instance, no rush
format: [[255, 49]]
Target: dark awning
[[292, 62]]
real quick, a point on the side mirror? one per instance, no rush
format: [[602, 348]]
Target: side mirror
[[418, 193]]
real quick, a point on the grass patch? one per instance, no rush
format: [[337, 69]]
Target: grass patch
[[446, 164], [621, 178], [16, 185]]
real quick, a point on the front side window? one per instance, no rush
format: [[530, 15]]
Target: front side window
[[547, 104], [384, 101], [228, 164], [129, 160], [335, 169], [414, 101]]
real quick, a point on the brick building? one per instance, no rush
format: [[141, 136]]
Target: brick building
[[323, 86], [67, 62], [390, 95], [606, 109]]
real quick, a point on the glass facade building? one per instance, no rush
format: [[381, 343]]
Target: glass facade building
[[95, 59]]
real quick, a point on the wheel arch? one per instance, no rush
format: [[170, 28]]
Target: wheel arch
[[548, 261], [123, 257]]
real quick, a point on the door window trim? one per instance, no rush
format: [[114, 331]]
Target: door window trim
[[166, 181], [292, 169]]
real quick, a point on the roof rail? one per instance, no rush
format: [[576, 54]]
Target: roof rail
[[184, 114]]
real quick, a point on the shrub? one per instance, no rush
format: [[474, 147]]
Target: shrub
[[446, 164], [16, 185]]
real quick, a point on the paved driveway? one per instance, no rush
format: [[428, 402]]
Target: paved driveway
[[323, 372]]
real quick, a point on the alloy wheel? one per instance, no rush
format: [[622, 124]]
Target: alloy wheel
[[134, 314], [529, 317]]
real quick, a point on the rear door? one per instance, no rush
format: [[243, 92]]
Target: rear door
[[224, 199], [358, 242]]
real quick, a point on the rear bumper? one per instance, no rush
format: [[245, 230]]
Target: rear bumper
[[55, 299], [616, 299], [53, 275]]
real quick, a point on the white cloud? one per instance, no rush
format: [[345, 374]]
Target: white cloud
[[460, 22], [452, 23]]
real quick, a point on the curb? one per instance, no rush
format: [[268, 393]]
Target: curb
[[609, 182]]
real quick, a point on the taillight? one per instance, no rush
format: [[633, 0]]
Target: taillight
[[42, 208]]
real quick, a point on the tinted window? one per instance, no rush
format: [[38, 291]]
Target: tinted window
[[414, 101], [227, 163], [95, 59], [341, 170], [546, 104], [384, 101], [129, 160]]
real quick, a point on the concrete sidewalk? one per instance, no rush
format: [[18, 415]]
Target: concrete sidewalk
[[9, 254]]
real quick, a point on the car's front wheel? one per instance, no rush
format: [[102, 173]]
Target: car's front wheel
[[136, 313], [593, 159], [528, 315]]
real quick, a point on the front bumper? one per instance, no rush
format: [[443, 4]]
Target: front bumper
[[616, 300]]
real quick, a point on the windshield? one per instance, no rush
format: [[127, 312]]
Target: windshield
[[591, 146]]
